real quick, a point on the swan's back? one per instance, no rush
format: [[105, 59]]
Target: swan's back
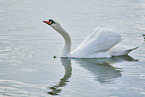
[[97, 43]]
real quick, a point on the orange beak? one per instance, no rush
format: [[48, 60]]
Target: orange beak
[[47, 22]]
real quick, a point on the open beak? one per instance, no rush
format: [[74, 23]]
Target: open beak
[[47, 22]]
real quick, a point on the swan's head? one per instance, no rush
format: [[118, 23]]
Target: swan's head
[[55, 25]]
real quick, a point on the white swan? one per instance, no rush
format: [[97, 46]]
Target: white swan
[[100, 43]]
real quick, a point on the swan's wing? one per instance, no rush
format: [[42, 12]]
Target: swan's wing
[[103, 41], [91, 36]]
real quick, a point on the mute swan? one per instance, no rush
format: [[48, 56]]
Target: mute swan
[[99, 44]]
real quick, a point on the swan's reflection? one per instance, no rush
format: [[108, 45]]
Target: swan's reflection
[[55, 90], [101, 69]]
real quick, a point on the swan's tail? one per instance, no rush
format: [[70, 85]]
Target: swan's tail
[[129, 50], [122, 52]]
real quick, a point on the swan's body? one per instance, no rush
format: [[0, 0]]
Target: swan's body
[[99, 44]]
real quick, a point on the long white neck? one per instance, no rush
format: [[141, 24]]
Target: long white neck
[[67, 47]]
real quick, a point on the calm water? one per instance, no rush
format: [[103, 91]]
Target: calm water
[[27, 47]]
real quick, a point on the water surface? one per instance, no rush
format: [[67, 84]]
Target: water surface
[[27, 47]]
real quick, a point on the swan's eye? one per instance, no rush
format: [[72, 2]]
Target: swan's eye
[[50, 22]]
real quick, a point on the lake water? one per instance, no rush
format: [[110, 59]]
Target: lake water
[[27, 47]]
